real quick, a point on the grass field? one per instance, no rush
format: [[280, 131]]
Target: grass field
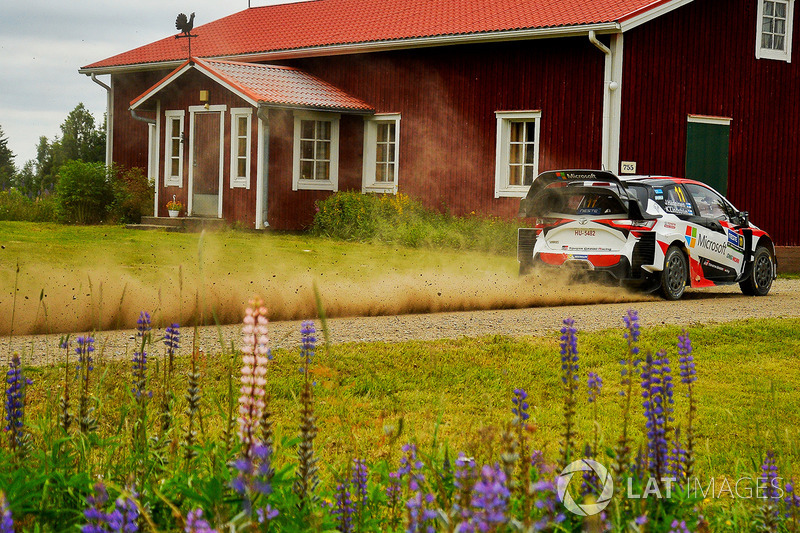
[[100, 277]]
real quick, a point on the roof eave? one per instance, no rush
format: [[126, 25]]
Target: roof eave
[[382, 46]]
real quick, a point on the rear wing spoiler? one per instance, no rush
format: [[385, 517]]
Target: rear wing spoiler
[[527, 207]]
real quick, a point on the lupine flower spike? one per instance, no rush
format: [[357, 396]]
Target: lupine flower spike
[[770, 491], [65, 416], [6, 520], [172, 337], [18, 438], [195, 523], [192, 408], [84, 350], [307, 479], [140, 382], [688, 377], [520, 411], [657, 403], [630, 367], [569, 380]]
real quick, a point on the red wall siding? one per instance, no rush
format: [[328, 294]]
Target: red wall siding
[[447, 98], [130, 135], [700, 59]]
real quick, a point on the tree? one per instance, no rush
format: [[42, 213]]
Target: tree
[[80, 140], [7, 169]]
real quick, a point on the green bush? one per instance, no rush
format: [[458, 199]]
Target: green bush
[[84, 193], [133, 195], [16, 206], [353, 216]]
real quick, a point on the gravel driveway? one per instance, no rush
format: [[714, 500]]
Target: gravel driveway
[[702, 306]]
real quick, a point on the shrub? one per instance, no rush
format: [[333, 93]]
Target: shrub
[[133, 195], [353, 216], [16, 206], [84, 192]]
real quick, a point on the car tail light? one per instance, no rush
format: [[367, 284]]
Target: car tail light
[[641, 225]]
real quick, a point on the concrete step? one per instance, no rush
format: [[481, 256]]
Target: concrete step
[[183, 224]]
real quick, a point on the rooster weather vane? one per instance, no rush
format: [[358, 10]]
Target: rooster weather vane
[[185, 25]]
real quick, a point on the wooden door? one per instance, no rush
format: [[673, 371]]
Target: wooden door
[[206, 164]]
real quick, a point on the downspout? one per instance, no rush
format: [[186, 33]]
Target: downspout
[[141, 118], [611, 99], [263, 163], [109, 116]]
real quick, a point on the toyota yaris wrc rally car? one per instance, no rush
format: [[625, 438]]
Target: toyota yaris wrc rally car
[[659, 233]]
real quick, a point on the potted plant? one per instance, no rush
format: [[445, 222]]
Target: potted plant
[[174, 207]]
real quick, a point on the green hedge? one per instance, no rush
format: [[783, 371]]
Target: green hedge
[[16, 206]]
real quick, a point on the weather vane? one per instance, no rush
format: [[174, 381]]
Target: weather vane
[[185, 25]]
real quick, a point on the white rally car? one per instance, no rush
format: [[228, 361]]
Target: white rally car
[[660, 233]]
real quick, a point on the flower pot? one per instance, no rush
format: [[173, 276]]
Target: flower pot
[[173, 214]]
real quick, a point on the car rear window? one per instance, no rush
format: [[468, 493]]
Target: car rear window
[[580, 202]]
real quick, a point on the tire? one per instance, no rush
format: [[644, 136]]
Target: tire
[[760, 281], [674, 275]]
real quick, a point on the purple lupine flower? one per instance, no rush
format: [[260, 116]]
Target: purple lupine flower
[[252, 480], [631, 362], [6, 520], [409, 464], [769, 480], [266, 514], [307, 343], [657, 403], [84, 350], [548, 504], [520, 409], [594, 384], [359, 475], [678, 527], [421, 515], [96, 518], [125, 516], [490, 496], [464, 479], [195, 523], [686, 360], [255, 355], [792, 500], [15, 404], [537, 461], [143, 324], [569, 352], [393, 490], [343, 508], [172, 339], [677, 458], [140, 357]]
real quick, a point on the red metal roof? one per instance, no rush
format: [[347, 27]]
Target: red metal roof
[[268, 84], [322, 23]]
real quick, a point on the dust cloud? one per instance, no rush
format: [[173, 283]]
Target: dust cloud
[[111, 296]]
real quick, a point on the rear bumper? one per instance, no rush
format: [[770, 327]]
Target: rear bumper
[[617, 266]]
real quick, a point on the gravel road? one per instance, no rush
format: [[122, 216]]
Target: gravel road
[[701, 306]]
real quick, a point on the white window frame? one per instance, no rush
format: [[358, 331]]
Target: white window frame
[[236, 114], [368, 180], [769, 53], [332, 183], [171, 180], [502, 187]]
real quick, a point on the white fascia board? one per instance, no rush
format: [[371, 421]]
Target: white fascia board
[[579, 30], [164, 83], [661, 8], [707, 119]]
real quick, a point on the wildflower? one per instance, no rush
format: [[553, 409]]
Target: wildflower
[[792, 501], [548, 504], [490, 498], [307, 479], [421, 515], [140, 375], [143, 325], [195, 523], [359, 474], [84, 350], [520, 408], [594, 385], [65, 416], [255, 355], [172, 340], [266, 514], [686, 360], [688, 376], [768, 481], [15, 406], [464, 479], [193, 407], [657, 403], [125, 516], [679, 527], [343, 508], [6, 520], [252, 480], [569, 377], [97, 520]]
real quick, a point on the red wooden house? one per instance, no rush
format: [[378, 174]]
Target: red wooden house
[[460, 103]]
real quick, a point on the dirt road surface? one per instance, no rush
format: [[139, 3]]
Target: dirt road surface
[[697, 307]]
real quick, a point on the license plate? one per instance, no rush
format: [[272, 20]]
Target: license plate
[[584, 233]]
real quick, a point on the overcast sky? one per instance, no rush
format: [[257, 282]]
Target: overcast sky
[[43, 43]]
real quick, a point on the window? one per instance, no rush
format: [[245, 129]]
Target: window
[[240, 147], [774, 34], [673, 199], [517, 152], [381, 144], [709, 203], [173, 151], [316, 151]]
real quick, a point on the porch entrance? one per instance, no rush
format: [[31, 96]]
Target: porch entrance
[[206, 171]]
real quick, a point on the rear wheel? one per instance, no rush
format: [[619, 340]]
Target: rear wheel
[[673, 278], [760, 281]]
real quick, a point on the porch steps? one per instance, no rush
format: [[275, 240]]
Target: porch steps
[[179, 224]]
